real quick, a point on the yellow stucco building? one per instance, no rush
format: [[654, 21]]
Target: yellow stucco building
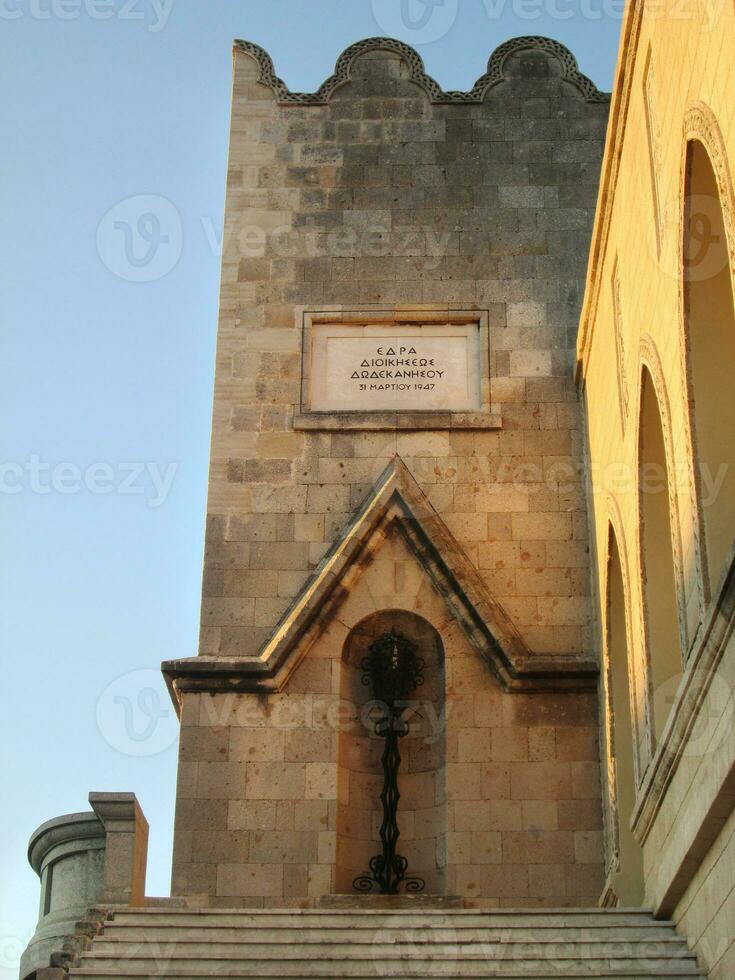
[[656, 355]]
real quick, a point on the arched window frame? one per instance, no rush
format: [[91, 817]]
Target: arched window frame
[[637, 672], [700, 125], [650, 362], [640, 730]]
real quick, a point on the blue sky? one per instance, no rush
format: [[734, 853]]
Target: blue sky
[[106, 380]]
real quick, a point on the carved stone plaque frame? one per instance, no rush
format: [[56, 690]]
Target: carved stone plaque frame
[[395, 369]]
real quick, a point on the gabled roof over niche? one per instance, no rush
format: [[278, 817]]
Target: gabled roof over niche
[[569, 70], [396, 503]]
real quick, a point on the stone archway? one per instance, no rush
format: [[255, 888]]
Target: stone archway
[[627, 860], [709, 334], [660, 564]]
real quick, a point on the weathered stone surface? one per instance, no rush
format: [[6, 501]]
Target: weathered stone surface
[[344, 936], [386, 199]]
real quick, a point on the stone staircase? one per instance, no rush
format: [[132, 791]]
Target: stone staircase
[[189, 944]]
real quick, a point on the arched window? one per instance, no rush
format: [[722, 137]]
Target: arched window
[[629, 880], [657, 560], [710, 333]]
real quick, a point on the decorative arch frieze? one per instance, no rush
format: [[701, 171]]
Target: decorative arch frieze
[[637, 673], [700, 125], [615, 531], [649, 358], [417, 72], [610, 813], [619, 339], [655, 143]]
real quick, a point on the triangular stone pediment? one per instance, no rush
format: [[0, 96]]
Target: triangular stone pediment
[[396, 504]]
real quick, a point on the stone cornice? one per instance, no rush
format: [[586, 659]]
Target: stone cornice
[[608, 177], [396, 501], [72, 827], [493, 76], [701, 670]]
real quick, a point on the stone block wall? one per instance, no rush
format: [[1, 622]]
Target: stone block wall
[[674, 89], [269, 789], [384, 193], [380, 199]]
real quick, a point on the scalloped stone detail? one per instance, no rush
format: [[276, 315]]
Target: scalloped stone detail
[[493, 76]]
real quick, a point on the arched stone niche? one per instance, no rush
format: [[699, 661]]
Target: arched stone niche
[[422, 810]]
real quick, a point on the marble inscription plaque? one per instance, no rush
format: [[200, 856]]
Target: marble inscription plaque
[[395, 367]]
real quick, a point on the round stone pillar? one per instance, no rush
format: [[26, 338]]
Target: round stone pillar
[[68, 855]]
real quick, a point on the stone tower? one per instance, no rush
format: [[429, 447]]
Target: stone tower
[[397, 444]]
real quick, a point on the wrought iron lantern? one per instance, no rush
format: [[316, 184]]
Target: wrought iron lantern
[[393, 671]]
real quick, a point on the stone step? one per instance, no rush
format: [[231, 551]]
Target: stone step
[[359, 932], [352, 944], [176, 908], [510, 912], [309, 918], [399, 968], [184, 949]]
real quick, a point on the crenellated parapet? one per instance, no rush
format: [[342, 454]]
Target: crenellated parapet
[[495, 74]]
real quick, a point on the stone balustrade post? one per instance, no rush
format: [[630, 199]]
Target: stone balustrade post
[[126, 847]]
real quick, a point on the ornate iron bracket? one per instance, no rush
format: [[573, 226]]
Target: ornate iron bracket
[[393, 671]]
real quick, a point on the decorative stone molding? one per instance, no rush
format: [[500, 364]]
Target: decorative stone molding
[[394, 422], [620, 104], [417, 72], [650, 359], [701, 671], [653, 135], [642, 727], [611, 820], [619, 345], [701, 125], [395, 501]]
